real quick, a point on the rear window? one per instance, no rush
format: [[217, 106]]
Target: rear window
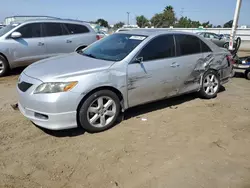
[[54, 29], [187, 44], [205, 47], [76, 28]]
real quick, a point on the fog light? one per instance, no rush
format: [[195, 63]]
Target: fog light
[[41, 116]]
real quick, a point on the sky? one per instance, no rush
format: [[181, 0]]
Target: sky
[[216, 11]]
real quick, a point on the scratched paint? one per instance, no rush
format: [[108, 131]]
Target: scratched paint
[[203, 64], [133, 80]]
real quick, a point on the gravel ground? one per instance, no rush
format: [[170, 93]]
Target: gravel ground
[[184, 142]]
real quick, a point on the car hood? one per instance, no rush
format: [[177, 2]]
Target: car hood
[[65, 66]]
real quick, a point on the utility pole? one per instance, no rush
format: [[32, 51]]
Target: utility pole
[[128, 17], [235, 24], [182, 10]]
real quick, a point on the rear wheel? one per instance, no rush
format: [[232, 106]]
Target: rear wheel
[[99, 111], [247, 74], [4, 66], [210, 84]]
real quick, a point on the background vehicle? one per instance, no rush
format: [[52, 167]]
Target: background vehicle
[[226, 36], [27, 42], [118, 72], [123, 29], [102, 34], [243, 63], [218, 40]]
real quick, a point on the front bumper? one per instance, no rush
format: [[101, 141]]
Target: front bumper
[[51, 111]]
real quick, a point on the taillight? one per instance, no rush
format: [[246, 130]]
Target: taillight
[[98, 37], [230, 59]]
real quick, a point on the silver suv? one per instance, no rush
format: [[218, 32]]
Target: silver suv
[[24, 43]]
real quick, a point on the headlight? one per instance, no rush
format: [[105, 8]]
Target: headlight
[[55, 87]]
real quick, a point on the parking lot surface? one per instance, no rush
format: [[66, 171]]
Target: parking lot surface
[[180, 142]]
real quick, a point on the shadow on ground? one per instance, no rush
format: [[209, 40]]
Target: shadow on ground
[[133, 112], [166, 103], [239, 75], [63, 133], [16, 71]]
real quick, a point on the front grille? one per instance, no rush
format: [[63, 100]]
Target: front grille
[[24, 86]]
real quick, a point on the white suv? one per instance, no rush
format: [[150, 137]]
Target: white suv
[[24, 43]]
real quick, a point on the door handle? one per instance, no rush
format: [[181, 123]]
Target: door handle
[[68, 41], [40, 44], [174, 64]]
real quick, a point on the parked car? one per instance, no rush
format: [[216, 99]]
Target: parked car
[[218, 40], [227, 36], [90, 88], [102, 34], [24, 43], [123, 29]]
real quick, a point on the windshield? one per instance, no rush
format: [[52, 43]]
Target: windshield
[[6, 29], [114, 47]]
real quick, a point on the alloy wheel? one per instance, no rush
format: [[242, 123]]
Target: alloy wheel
[[1, 66], [101, 112], [211, 84]]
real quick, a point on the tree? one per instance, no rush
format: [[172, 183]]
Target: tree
[[102, 22], [169, 16], [185, 22], [218, 26], [165, 19], [142, 21], [207, 24], [228, 24], [119, 25]]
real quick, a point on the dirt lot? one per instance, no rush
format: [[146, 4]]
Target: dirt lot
[[185, 142]]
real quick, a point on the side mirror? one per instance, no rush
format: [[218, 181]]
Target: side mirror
[[138, 60], [16, 35]]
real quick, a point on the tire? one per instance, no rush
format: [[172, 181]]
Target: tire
[[226, 45], [102, 117], [4, 66], [247, 74], [209, 89]]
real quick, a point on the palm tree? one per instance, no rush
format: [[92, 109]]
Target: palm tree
[[169, 8]]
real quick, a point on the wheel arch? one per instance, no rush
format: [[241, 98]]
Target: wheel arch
[[5, 57], [111, 88], [213, 69], [80, 47]]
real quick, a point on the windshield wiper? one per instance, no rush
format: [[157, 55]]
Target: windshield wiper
[[89, 55]]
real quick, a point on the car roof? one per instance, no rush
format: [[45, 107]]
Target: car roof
[[154, 32], [56, 20]]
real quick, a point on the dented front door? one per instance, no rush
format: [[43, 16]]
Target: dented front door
[[151, 80]]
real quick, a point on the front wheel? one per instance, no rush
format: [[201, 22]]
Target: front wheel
[[210, 84], [4, 66], [99, 111]]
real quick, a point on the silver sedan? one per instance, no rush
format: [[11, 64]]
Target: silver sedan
[[90, 88]]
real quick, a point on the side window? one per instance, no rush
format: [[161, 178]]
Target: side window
[[211, 36], [30, 30], [159, 48], [187, 44], [205, 47], [76, 29], [54, 29]]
